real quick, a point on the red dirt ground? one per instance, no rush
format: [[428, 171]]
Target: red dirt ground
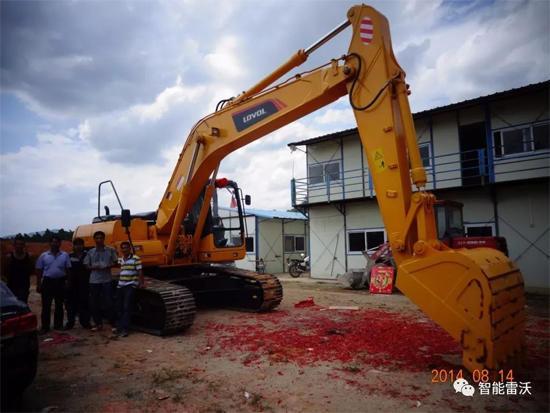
[[35, 248], [379, 358]]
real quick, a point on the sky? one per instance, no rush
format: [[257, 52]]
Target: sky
[[98, 90]]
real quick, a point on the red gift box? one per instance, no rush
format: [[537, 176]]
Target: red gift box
[[381, 280]]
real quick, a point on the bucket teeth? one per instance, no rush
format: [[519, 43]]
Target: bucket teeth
[[478, 297]]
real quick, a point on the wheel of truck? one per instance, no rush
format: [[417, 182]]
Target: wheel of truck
[[293, 271]]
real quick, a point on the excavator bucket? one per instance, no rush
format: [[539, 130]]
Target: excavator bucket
[[477, 296]]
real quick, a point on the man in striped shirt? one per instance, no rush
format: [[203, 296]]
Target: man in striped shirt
[[131, 277]]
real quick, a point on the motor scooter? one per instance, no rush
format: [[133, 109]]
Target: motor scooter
[[296, 267]]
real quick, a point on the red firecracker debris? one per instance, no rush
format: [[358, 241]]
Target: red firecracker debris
[[58, 339], [374, 337], [306, 303], [384, 340]]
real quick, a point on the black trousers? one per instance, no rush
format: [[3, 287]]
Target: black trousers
[[53, 289], [101, 298], [78, 300], [125, 305], [21, 293]]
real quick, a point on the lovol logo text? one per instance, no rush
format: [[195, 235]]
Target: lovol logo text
[[256, 114], [247, 117]]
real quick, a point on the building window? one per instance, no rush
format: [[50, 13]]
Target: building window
[[426, 154], [316, 174], [364, 240], [300, 243], [521, 139], [480, 230], [511, 141], [327, 172], [332, 171], [541, 136], [357, 242], [249, 244], [295, 243], [236, 241]]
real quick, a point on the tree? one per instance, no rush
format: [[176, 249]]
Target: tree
[[62, 234]]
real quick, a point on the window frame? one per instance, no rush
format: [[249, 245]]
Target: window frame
[[534, 125], [430, 155], [324, 175], [528, 145], [364, 231], [480, 225], [253, 244], [294, 236], [231, 243], [339, 171]]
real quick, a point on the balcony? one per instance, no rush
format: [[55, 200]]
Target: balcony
[[478, 167]]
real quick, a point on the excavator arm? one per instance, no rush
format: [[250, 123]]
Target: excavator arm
[[475, 295]]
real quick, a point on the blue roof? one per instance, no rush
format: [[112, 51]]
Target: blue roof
[[262, 213]]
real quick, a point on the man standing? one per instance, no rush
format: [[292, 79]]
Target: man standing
[[131, 277], [53, 270], [99, 261], [78, 294], [18, 266]]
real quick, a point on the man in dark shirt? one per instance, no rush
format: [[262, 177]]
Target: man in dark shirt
[[17, 268], [78, 294], [99, 261]]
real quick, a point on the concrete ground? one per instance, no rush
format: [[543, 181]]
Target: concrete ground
[[380, 358]]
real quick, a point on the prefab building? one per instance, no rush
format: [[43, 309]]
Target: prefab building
[[272, 236], [490, 153]]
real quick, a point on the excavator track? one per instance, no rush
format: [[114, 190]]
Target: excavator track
[[259, 292], [163, 308]]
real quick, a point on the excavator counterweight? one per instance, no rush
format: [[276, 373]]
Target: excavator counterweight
[[475, 295]]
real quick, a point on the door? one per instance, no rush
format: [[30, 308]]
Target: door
[[472, 138]]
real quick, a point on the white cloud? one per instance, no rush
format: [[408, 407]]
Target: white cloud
[[84, 130], [50, 138], [61, 177], [61, 66], [342, 117], [72, 132], [482, 55], [127, 119], [139, 134], [266, 176], [171, 96], [223, 61]]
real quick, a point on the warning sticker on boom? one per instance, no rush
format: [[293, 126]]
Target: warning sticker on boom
[[379, 161]]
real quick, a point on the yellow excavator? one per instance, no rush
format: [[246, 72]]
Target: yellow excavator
[[476, 295]]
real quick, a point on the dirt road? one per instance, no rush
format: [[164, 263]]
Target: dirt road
[[310, 358]]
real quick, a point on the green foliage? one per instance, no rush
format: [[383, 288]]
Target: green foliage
[[66, 235]]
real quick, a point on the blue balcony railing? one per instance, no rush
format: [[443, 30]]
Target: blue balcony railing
[[467, 168]]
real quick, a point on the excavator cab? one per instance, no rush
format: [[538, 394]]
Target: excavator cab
[[449, 220], [232, 234], [218, 233], [452, 233]]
